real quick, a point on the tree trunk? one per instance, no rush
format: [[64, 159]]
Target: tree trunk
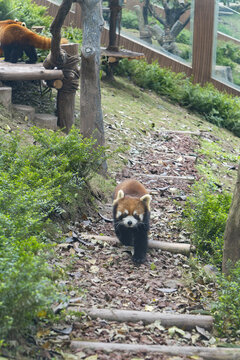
[[115, 9], [70, 67], [90, 98], [231, 251]]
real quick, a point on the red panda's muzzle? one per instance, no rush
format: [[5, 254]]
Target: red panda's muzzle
[[130, 221]]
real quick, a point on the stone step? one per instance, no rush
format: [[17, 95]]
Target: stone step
[[46, 121], [26, 112], [6, 97]]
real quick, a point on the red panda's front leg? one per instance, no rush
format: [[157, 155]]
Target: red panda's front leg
[[140, 245], [125, 235]]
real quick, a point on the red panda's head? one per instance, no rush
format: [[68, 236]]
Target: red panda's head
[[131, 211]]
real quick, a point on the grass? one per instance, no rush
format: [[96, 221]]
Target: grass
[[130, 113]]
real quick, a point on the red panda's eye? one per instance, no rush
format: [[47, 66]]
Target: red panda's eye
[[138, 216]]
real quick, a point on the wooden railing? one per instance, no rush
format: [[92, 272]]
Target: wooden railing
[[203, 32]]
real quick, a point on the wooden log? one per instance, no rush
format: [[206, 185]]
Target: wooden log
[[182, 321], [181, 132], [18, 72], [190, 179], [175, 248], [56, 84], [201, 352]]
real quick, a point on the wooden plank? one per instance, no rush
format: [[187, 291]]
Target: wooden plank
[[123, 53], [173, 350], [22, 71]]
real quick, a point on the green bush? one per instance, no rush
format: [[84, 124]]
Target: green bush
[[226, 310], [72, 34], [228, 53], [30, 13], [5, 10], [184, 37], [129, 20], [205, 216], [38, 181], [218, 108]]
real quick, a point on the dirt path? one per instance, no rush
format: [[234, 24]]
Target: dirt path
[[107, 278]]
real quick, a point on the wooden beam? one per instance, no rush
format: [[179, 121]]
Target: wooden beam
[[22, 71]]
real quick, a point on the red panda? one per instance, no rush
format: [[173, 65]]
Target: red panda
[[131, 217], [16, 39], [7, 22]]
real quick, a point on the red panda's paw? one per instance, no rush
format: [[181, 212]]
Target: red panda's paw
[[139, 260]]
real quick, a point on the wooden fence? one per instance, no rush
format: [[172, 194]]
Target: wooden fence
[[202, 52]]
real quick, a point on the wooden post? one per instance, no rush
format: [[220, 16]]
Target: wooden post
[[203, 34]]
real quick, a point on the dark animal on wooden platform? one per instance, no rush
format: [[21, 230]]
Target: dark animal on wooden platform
[[16, 39], [131, 214]]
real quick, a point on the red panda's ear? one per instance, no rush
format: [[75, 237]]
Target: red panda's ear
[[120, 195], [146, 199]]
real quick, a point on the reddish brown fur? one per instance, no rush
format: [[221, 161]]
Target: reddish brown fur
[[131, 188], [15, 33], [8, 22], [131, 205]]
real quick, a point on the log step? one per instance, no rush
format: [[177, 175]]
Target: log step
[[182, 321], [6, 97], [190, 179], [180, 132], [175, 248], [201, 352]]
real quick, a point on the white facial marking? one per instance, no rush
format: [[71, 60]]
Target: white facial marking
[[141, 217], [126, 212], [119, 213], [129, 221]]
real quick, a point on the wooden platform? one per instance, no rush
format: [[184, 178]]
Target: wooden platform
[[22, 71], [114, 56]]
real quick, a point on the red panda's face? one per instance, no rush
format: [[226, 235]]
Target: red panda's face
[[130, 211]]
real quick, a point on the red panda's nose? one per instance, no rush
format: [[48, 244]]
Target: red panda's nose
[[129, 222]]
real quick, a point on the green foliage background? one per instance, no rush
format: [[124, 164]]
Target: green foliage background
[[218, 108], [205, 217], [39, 180]]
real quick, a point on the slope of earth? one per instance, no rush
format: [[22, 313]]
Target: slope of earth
[[167, 149]]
